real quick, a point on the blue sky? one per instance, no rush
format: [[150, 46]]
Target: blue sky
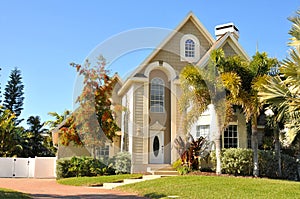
[[41, 38]]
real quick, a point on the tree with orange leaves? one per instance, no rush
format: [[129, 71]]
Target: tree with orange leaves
[[94, 118]]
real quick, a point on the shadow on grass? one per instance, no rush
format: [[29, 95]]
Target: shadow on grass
[[8, 194], [155, 195]]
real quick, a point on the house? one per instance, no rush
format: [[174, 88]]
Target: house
[[152, 120], [150, 94]]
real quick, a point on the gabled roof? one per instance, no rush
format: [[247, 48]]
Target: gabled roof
[[221, 42], [198, 25], [226, 38]]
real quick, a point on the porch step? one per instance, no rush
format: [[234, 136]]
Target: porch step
[[166, 173], [162, 170]]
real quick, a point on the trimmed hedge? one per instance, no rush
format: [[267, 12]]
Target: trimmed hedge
[[82, 166], [88, 166], [238, 161]]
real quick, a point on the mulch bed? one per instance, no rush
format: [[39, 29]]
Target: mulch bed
[[214, 174]]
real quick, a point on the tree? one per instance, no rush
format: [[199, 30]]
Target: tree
[[35, 139], [282, 92], [0, 90], [8, 141], [58, 119], [13, 95], [205, 86], [252, 79], [94, 119]]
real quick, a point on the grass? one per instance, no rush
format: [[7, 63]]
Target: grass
[[214, 187], [11, 194], [96, 181]]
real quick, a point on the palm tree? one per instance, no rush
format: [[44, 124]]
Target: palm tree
[[58, 119], [204, 86], [282, 92], [253, 75]]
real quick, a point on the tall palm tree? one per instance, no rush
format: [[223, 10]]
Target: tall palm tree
[[205, 86], [253, 75], [282, 92]]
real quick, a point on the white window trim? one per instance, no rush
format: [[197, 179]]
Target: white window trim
[[156, 109], [198, 130], [182, 48], [223, 135]]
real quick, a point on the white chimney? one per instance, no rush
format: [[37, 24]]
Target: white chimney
[[224, 28]]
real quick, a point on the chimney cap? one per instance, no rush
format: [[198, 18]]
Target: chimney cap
[[224, 28]]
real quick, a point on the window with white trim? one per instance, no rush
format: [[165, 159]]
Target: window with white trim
[[230, 138], [157, 95], [202, 131], [189, 48], [103, 152]]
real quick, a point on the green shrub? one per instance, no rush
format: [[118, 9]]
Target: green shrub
[[82, 166], [236, 161], [122, 162], [183, 170], [62, 168], [268, 165], [239, 161], [177, 164]]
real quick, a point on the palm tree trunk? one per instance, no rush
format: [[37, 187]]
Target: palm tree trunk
[[218, 141], [277, 150], [254, 141], [218, 155]]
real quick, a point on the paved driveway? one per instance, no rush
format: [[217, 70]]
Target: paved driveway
[[48, 188]]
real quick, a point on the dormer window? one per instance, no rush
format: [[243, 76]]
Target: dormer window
[[189, 48]]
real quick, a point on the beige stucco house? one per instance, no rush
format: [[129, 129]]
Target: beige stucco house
[[151, 119]]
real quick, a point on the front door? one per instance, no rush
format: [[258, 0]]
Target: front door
[[156, 147]]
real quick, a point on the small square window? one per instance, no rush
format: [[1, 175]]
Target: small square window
[[202, 131]]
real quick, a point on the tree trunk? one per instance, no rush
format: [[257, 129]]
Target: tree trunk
[[218, 155], [277, 150], [254, 144], [216, 129]]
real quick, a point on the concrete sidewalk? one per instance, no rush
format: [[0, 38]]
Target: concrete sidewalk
[[49, 188]]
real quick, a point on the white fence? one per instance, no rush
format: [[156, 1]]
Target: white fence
[[38, 167]]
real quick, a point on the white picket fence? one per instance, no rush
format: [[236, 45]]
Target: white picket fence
[[38, 167]]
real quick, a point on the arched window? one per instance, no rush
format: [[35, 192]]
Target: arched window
[[157, 95], [189, 48]]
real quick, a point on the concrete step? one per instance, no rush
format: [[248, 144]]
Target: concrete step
[[166, 173]]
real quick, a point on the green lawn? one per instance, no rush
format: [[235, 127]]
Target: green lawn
[[10, 194], [96, 181], [215, 187]]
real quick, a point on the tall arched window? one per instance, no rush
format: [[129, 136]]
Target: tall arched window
[[189, 50], [157, 95]]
